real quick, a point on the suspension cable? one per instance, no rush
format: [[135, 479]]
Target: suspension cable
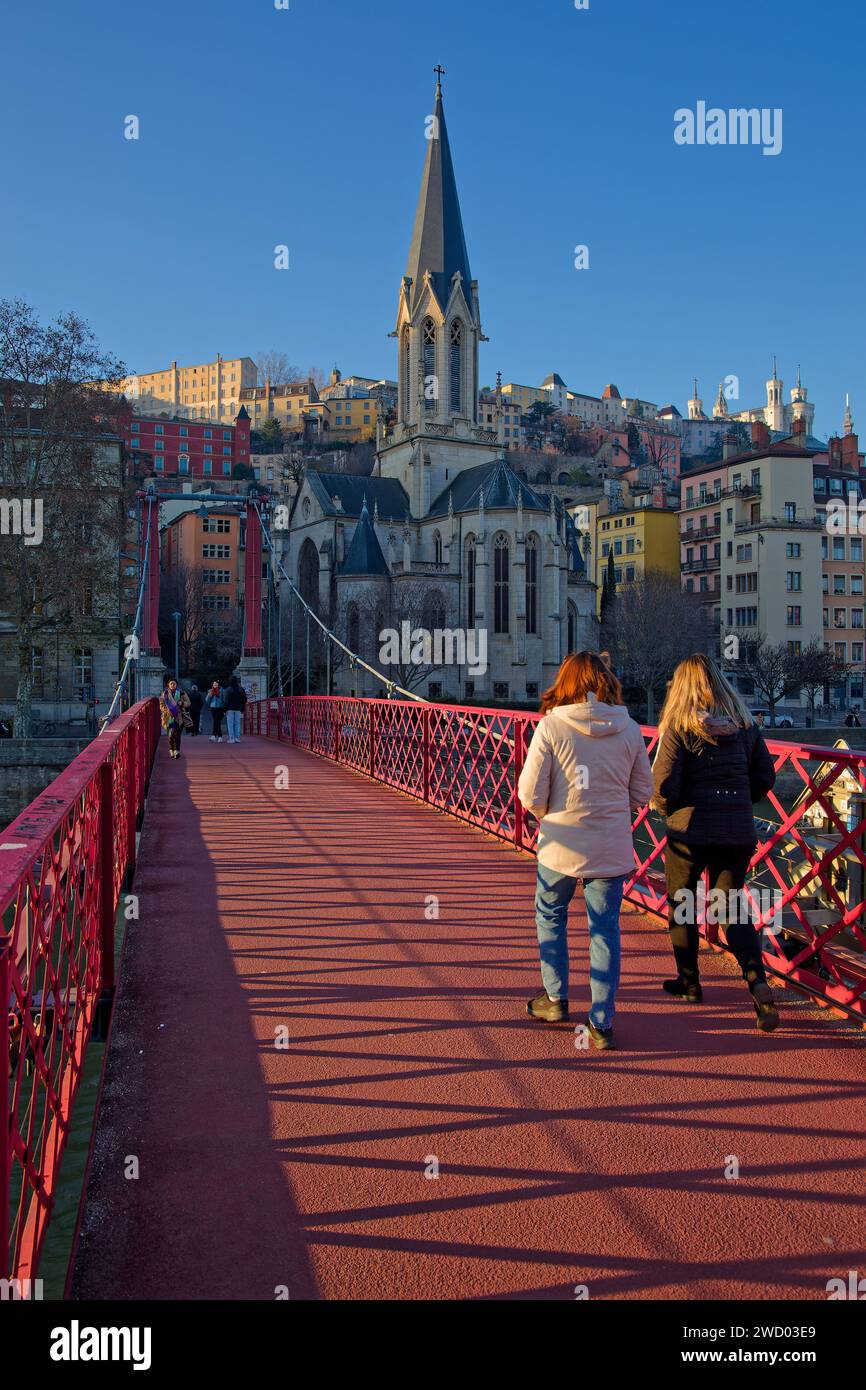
[[132, 654]]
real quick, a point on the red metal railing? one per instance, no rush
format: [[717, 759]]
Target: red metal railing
[[63, 864], [808, 876]]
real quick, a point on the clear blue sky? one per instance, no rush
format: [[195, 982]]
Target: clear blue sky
[[306, 127]]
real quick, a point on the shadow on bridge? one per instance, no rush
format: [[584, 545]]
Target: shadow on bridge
[[321, 1009]]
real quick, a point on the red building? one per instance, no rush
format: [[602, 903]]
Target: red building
[[159, 446]]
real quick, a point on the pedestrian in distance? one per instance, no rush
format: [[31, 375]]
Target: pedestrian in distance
[[586, 769], [175, 716], [712, 764], [195, 708], [216, 702], [236, 703]]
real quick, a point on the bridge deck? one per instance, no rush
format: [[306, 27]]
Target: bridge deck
[[304, 1166]]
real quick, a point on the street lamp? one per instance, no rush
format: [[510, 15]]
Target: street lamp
[[176, 617]]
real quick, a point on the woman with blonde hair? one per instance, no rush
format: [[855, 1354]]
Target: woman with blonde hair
[[712, 764], [585, 769]]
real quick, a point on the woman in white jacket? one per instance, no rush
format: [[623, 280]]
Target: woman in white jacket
[[585, 770]]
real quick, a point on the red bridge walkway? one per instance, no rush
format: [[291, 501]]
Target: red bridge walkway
[[304, 916]]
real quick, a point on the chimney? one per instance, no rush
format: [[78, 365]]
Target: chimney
[[850, 452], [760, 435], [729, 446], [834, 449], [799, 426]]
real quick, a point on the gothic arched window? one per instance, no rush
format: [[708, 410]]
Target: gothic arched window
[[532, 584], [431, 383], [353, 626], [437, 548], [406, 377], [456, 366], [470, 581], [572, 628], [434, 611], [501, 583], [308, 574]]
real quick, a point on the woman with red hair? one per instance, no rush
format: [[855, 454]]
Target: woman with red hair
[[585, 771]]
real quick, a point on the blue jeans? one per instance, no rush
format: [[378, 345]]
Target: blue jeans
[[603, 898], [233, 725]]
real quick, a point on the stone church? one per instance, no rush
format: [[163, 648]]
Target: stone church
[[444, 534]]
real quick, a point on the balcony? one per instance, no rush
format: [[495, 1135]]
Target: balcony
[[745, 490], [781, 523], [701, 566], [703, 533]]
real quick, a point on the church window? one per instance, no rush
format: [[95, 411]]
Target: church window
[[428, 339], [404, 407], [470, 582], [353, 626], [532, 585], [456, 364], [572, 627], [437, 548], [501, 584]]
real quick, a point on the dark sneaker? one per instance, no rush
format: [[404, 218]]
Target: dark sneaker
[[547, 1010], [765, 1008], [681, 991], [601, 1038]]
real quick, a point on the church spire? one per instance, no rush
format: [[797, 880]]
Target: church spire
[[438, 243], [848, 419]]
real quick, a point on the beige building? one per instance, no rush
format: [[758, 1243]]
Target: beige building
[[207, 391]]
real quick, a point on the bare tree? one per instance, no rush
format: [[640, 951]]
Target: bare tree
[[182, 591], [815, 668], [275, 367], [771, 668], [649, 626], [60, 461]]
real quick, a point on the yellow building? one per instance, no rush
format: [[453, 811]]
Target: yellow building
[[523, 396], [207, 391], [643, 537], [289, 403]]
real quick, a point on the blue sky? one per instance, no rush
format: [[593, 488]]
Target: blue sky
[[306, 127]]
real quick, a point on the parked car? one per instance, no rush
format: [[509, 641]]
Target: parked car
[[783, 721]]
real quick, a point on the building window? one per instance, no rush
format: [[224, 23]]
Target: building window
[[456, 365], [437, 549], [353, 626], [792, 581], [793, 615], [431, 387], [501, 586], [532, 585], [470, 582], [82, 671]]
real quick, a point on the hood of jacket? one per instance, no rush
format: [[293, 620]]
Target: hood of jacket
[[593, 717], [719, 726]]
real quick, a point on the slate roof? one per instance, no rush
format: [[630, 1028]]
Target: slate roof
[[365, 553], [438, 242], [352, 491], [501, 487]]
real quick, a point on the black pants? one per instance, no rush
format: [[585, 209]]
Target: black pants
[[195, 715], [217, 720], [726, 867], [174, 733]]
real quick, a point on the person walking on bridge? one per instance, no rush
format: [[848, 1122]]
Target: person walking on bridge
[[174, 713], [195, 706], [585, 770], [712, 764], [236, 703], [216, 702]]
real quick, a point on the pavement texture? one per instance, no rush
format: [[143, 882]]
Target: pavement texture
[[321, 1009]]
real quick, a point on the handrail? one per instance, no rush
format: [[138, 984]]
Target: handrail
[[63, 864], [807, 879]]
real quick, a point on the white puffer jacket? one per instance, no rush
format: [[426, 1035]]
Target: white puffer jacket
[[585, 769]]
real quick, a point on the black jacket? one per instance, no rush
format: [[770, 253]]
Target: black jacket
[[706, 790], [236, 697]]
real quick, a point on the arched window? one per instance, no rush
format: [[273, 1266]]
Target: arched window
[[564, 478], [470, 581], [437, 548], [353, 626], [501, 583], [378, 629], [434, 611], [532, 584], [308, 574], [572, 628], [406, 378], [456, 365], [431, 384]]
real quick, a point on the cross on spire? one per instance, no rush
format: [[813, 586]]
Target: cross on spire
[[440, 73]]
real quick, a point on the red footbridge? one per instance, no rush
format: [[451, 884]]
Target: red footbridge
[[318, 1075]]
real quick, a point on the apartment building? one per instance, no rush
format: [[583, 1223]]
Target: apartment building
[[208, 546], [206, 391], [637, 528], [160, 446], [839, 475]]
